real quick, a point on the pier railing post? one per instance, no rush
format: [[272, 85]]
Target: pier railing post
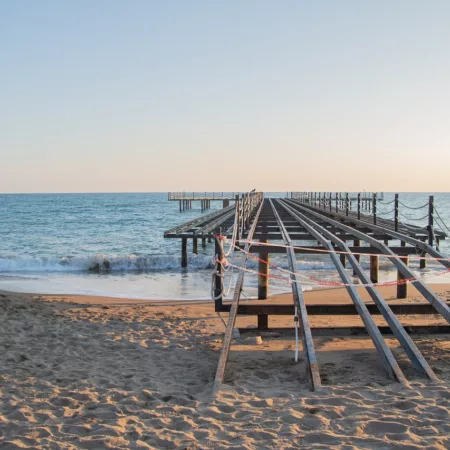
[[359, 205], [336, 202], [402, 287], [331, 200], [346, 204], [374, 208], [237, 219], [374, 266], [430, 220], [218, 284], [396, 212]]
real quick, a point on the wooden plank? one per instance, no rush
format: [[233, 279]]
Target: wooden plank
[[312, 367], [220, 372], [434, 299], [203, 219], [317, 250], [384, 351], [425, 330], [340, 309], [410, 348]]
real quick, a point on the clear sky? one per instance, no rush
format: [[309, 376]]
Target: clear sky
[[141, 95]]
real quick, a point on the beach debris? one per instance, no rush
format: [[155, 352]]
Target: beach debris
[[253, 340]]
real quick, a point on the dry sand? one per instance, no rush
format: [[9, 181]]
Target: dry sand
[[84, 372]]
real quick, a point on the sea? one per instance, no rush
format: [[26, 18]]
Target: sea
[[112, 244]]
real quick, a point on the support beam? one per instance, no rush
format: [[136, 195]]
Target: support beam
[[402, 287], [263, 321], [184, 254], [312, 367], [374, 268], [195, 246], [220, 372], [263, 276], [325, 237]]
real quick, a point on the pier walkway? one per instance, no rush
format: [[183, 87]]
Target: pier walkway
[[205, 198], [258, 227]]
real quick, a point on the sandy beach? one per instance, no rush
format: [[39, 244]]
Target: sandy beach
[[98, 372]]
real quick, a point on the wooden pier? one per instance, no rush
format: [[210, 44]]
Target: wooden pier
[[205, 198], [329, 226]]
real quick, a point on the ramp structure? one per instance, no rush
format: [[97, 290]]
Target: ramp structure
[[306, 224]]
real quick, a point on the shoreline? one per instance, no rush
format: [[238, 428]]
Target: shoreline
[[83, 372]]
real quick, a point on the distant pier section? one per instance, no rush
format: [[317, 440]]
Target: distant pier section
[[205, 198]]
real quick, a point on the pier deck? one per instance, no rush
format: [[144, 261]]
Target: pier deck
[[292, 226]]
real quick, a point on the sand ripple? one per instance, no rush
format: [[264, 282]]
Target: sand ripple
[[141, 377]]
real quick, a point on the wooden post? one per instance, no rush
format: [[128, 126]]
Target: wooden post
[[330, 200], [423, 262], [195, 246], [374, 266], [203, 242], [430, 220], [236, 204], [225, 203], [263, 276], [263, 321], [336, 202], [218, 284], [374, 208], [359, 205], [396, 212], [402, 287], [346, 203], [342, 256], [184, 255]]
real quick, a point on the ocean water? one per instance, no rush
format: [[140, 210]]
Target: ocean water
[[113, 244]]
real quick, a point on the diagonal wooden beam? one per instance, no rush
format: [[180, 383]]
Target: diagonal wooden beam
[[400, 333], [384, 351], [220, 372], [434, 299], [312, 367]]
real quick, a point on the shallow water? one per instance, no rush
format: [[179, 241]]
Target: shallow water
[[112, 244]]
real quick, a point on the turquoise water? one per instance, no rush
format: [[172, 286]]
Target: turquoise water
[[112, 244]]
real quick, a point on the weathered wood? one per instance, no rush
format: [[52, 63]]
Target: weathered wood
[[220, 372], [333, 309], [359, 331], [384, 351], [434, 299], [195, 246], [402, 286], [410, 348], [218, 282], [263, 321], [184, 254], [374, 268], [263, 273], [312, 367]]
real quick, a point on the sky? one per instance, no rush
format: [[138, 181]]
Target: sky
[[201, 95]]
